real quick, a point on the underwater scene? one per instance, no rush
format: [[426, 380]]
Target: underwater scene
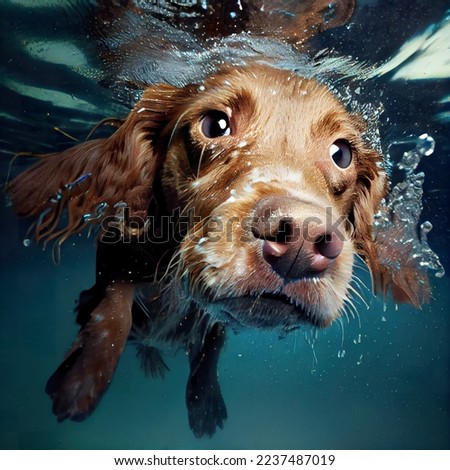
[[159, 163]]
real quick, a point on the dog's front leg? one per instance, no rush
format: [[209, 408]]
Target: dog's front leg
[[205, 404], [79, 382]]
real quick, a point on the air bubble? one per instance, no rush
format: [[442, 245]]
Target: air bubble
[[426, 145], [426, 227]]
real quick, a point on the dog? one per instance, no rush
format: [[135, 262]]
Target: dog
[[240, 201]]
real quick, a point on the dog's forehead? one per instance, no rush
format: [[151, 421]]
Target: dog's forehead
[[270, 97], [268, 83]]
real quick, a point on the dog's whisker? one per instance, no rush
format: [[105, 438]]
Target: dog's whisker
[[359, 282], [173, 263], [359, 295], [350, 308], [199, 167], [342, 330], [310, 337], [175, 127], [349, 304]]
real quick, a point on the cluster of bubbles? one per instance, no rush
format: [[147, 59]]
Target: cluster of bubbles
[[404, 205]]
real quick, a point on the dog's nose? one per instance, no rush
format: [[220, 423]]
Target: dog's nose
[[299, 239]]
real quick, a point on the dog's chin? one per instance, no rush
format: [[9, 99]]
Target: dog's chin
[[268, 310]]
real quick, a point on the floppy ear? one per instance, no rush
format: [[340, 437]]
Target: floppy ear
[[93, 178], [388, 245]]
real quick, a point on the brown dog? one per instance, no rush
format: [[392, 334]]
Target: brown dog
[[245, 199]]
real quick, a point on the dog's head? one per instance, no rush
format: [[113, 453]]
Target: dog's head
[[281, 188], [278, 183]]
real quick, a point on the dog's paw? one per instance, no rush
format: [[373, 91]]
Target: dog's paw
[[206, 407], [77, 386]]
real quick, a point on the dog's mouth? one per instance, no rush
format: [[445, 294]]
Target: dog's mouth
[[276, 298], [266, 310]]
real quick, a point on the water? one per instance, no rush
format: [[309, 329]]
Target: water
[[380, 380]]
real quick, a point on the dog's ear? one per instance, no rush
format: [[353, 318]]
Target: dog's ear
[[91, 180], [387, 246]]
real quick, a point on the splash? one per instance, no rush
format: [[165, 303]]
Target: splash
[[402, 241]]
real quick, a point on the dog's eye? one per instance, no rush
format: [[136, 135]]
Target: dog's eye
[[341, 153], [215, 124]]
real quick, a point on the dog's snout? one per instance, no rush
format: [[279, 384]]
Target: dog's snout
[[298, 240]]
